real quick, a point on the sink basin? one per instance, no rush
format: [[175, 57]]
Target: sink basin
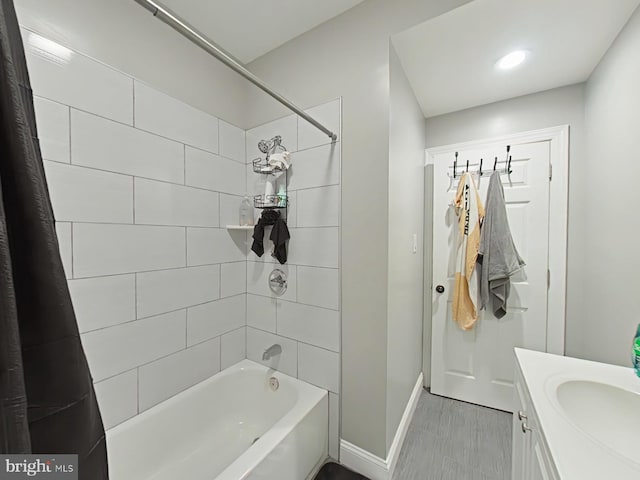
[[608, 414]]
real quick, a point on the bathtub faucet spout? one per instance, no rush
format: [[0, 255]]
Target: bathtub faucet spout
[[273, 350]]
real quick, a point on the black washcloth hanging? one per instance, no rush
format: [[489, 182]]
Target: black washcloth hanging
[[279, 236]]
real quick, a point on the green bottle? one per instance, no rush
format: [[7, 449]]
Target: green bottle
[[635, 352]]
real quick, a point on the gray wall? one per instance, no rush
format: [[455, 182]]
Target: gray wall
[[608, 263], [316, 67], [407, 140], [127, 37], [546, 109]]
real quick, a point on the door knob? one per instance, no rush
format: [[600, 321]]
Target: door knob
[[440, 288]]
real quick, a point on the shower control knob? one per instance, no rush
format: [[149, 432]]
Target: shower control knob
[[440, 288]]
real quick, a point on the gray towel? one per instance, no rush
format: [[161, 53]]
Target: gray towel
[[498, 257]]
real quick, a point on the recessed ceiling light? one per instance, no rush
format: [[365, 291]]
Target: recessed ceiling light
[[512, 60]]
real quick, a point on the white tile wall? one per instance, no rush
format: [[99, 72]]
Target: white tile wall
[[319, 286], [117, 349], [261, 313], [167, 290], [111, 249], [206, 170], [53, 129], [258, 341], [319, 207], [63, 232], [164, 378], [316, 247], [233, 279], [319, 367], [106, 197], [215, 245], [316, 167], [106, 145], [161, 302], [233, 346], [118, 398], [215, 318], [232, 142], [171, 118], [258, 278], [101, 302], [160, 203], [329, 115], [59, 74], [317, 326]]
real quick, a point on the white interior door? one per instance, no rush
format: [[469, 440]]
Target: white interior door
[[477, 365]]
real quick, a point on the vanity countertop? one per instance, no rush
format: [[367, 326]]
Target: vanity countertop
[[576, 454]]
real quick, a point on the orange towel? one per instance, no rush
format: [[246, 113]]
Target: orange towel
[[470, 213]]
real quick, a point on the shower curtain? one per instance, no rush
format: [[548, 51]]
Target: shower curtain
[[47, 401]]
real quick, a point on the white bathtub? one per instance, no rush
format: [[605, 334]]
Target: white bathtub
[[207, 432]]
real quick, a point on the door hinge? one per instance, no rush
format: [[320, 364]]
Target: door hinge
[[550, 171]]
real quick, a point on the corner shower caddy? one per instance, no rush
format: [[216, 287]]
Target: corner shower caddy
[[262, 167]]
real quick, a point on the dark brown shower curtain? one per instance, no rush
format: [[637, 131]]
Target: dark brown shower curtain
[[47, 401]]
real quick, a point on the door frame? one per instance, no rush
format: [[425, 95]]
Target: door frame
[[558, 229]]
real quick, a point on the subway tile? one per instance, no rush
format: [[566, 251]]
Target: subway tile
[[215, 245], [316, 167], [63, 232], [317, 326], [291, 214], [168, 290], [319, 367], [261, 313], [65, 76], [215, 318], [230, 209], [159, 203], [81, 194], [234, 348], [171, 118], [117, 349], [53, 129], [319, 207], [318, 286], [206, 170], [232, 142], [334, 425], [103, 144], [233, 279], [258, 279], [102, 249], [175, 373], [118, 398], [101, 302], [286, 362], [316, 247], [286, 127], [327, 114]]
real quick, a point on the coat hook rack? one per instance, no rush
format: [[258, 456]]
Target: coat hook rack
[[455, 165]]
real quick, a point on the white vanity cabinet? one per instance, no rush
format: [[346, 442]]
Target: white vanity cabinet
[[531, 460]]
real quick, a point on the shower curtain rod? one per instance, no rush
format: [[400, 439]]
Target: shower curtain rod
[[203, 42]]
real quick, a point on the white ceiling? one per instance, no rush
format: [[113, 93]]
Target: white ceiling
[[250, 28], [450, 60]]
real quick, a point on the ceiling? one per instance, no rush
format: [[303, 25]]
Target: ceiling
[[450, 60], [248, 29]]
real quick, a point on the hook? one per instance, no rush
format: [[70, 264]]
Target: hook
[[509, 171], [455, 165], [495, 163], [467, 166], [480, 171]]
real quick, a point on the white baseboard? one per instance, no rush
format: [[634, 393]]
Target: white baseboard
[[372, 466]]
